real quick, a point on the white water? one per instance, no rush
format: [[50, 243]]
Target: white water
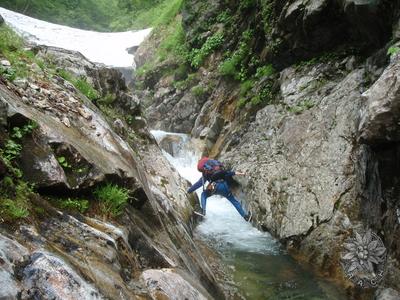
[[222, 224], [107, 48], [260, 268]]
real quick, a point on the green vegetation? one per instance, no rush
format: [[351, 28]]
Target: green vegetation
[[235, 64], [186, 83], [63, 162], [113, 199], [302, 106], [14, 203], [13, 147], [88, 14], [80, 84], [73, 204], [11, 48], [100, 15], [138, 14], [393, 50], [198, 90], [196, 57], [264, 71]]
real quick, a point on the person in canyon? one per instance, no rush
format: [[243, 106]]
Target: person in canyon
[[219, 180]]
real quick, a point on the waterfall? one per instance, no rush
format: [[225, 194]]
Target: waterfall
[[261, 268]]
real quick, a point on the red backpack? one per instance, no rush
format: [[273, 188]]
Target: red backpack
[[209, 166]]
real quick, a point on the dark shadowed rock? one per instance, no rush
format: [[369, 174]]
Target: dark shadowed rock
[[1, 20]]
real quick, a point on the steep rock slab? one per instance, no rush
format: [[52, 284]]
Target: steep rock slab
[[300, 164], [156, 229]]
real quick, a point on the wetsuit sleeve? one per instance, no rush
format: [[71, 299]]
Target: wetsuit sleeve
[[195, 186], [230, 173]]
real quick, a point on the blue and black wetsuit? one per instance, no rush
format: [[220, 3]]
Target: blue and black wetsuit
[[220, 180]]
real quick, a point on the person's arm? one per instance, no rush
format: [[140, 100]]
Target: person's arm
[[195, 186], [233, 173]]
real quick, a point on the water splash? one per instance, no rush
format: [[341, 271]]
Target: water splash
[[101, 47], [260, 267], [222, 225]]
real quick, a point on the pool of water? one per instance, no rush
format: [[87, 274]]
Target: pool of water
[[261, 268]]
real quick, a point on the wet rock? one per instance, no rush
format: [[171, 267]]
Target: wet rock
[[1, 20], [11, 255], [168, 284], [169, 143], [49, 277], [386, 294]]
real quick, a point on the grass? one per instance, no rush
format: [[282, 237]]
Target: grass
[[11, 48], [113, 199], [80, 83], [14, 204], [198, 91], [393, 50], [74, 204], [155, 15]]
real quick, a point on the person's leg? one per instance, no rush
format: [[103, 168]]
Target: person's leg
[[223, 190], [204, 196]]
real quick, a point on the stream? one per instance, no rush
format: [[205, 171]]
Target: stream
[[261, 267]]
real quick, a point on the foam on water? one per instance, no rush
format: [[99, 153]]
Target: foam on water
[[101, 47], [223, 225]]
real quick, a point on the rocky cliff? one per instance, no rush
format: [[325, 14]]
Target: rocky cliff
[[303, 96], [66, 162]]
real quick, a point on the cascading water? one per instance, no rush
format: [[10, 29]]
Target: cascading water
[[262, 270]]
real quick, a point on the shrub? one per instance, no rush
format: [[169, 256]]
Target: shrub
[[80, 205], [393, 50], [198, 90], [16, 207], [197, 56], [228, 67], [234, 66], [241, 103], [245, 87], [264, 71], [113, 199]]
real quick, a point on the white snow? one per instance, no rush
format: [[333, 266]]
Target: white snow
[[101, 47]]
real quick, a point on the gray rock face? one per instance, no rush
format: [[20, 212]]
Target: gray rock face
[[11, 254], [381, 116], [387, 294], [171, 285], [48, 277], [72, 149], [299, 163]]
